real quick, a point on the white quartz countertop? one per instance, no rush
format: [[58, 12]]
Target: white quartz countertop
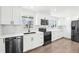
[[11, 35]]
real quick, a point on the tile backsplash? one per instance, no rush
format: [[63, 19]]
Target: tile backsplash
[[16, 29], [12, 29]]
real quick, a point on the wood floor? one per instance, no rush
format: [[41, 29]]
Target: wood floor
[[59, 46]]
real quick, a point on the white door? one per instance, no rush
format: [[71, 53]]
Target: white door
[[2, 46], [26, 43], [40, 39]]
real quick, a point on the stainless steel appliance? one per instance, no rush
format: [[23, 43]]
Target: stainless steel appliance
[[14, 44], [75, 30], [44, 22], [47, 36]]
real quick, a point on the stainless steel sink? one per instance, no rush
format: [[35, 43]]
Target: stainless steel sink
[[30, 33]]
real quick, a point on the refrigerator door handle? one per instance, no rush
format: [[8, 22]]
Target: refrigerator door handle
[[3, 40], [77, 29]]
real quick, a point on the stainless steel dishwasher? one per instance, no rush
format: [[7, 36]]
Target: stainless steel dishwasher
[[14, 44]]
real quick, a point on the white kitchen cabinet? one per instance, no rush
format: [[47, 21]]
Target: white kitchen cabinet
[[57, 33], [26, 43], [6, 15], [32, 41], [17, 15], [2, 46], [61, 22], [10, 15], [54, 36], [13, 15], [37, 40]]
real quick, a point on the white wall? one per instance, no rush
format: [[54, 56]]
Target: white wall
[[67, 29]]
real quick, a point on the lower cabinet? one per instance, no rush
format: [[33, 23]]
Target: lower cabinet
[[57, 34], [26, 43], [37, 40], [32, 41], [2, 46]]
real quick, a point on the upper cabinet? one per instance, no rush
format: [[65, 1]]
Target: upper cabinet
[[10, 15], [13, 14], [5, 15], [52, 23], [17, 15], [61, 21]]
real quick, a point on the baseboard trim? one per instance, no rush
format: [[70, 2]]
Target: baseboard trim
[[66, 38], [47, 44], [57, 39], [32, 49], [60, 39]]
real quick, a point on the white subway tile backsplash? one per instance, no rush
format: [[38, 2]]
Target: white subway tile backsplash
[[11, 29], [14, 29]]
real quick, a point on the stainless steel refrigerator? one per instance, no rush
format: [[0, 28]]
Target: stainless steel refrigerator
[[75, 30]]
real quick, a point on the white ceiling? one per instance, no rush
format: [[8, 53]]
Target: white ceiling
[[64, 11]]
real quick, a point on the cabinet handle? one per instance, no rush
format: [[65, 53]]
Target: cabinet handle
[[32, 39]]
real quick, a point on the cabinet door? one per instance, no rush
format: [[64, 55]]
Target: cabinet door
[[2, 46], [29, 42], [6, 15], [37, 40], [33, 41], [61, 22], [40, 39], [54, 35], [17, 18], [26, 43]]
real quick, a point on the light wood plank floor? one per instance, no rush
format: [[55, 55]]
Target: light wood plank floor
[[59, 46]]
